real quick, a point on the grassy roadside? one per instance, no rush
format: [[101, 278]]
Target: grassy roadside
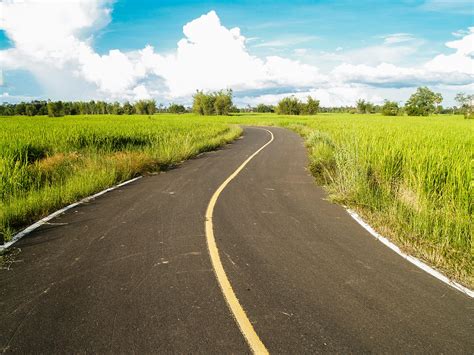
[[47, 163], [409, 177]]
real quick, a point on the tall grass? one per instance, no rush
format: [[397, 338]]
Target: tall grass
[[46, 163], [410, 177]]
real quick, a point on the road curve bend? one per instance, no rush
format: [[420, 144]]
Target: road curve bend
[[130, 271]]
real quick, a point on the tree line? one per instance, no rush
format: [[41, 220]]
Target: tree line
[[62, 108], [422, 103]]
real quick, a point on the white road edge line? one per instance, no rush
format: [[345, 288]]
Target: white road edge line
[[411, 259], [42, 221], [245, 326]]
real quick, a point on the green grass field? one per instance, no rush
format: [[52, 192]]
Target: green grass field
[[46, 163], [410, 177]]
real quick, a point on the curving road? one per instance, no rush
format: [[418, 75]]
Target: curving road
[[131, 271]]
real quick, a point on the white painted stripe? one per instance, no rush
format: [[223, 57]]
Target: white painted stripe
[[411, 259], [44, 220]]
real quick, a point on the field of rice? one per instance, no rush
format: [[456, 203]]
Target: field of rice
[[409, 177], [46, 163]]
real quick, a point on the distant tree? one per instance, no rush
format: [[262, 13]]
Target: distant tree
[[140, 107], [116, 108], [30, 109], [214, 103], [145, 107], [128, 109], [289, 106], [198, 101], [176, 108], [390, 108], [20, 109], [365, 106], [262, 108], [223, 102], [151, 107], [311, 107], [423, 102], [466, 103], [55, 109]]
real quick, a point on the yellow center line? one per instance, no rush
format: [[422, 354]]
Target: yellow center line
[[240, 316]]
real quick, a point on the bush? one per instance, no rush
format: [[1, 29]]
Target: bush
[[365, 106], [390, 108], [214, 103], [145, 107], [55, 109], [311, 107], [262, 108], [293, 106], [175, 108], [289, 106], [467, 104]]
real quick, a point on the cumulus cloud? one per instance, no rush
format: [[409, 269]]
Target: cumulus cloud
[[449, 69], [209, 57], [54, 41], [398, 38]]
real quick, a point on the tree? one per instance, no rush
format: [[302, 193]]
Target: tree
[[223, 102], [262, 108], [128, 109], [214, 103], [55, 109], [423, 102], [145, 107], [467, 104], [289, 106], [175, 108], [365, 106], [311, 107], [390, 108]]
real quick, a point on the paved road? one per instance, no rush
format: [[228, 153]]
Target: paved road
[[130, 271]]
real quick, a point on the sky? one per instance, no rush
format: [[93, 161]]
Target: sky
[[335, 51]]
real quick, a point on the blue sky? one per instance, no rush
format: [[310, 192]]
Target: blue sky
[[348, 24], [331, 38]]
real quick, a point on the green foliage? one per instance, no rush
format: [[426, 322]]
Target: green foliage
[[411, 179], [214, 103], [293, 106], [145, 107], [46, 163], [128, 109], [467, 104], [262, 108], [311, 107], [390, 108], [289, 106], [423, 102], [55, 109], [365, 106], [176, 108]]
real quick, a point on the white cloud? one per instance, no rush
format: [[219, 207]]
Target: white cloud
[[53, 40], [461, 61], [286, 41], [451, 69], [454, 6], [209, 57], [398, 38]]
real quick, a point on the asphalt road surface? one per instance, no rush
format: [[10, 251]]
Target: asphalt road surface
[[131, 272]]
